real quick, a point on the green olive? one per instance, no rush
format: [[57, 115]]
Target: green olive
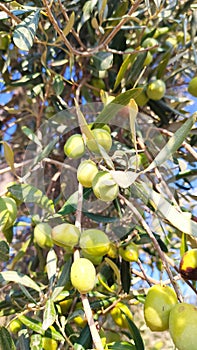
[[104, 186], [150, 42], [83, 275], [119, 313], [15, 326], [74, 147], [94, 242], [49, 344], [159, 301], [65, 235], [183, 326], [101, 138], [129, 252], [156, 89], [192, 87], [42, 235], [86, 173]]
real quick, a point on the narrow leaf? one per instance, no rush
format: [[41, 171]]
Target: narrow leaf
[[31, 136], [111, 109], [9, 155], [68, 26], [176, 218], [36, 326], [25, 32], [114, 267], [31, 194], [128, 60], [135, 334], [124, 178], [51, 265], [49, 314], [6, 342], [4, 251], [173, 144], [63, 279], [133, 111], [16, 277]]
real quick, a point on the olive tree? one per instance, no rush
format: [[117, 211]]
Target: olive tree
[[98, 164]]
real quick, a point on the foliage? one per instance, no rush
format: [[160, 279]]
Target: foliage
[[71, 67]]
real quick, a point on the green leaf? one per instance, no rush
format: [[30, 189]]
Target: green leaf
[[68, 27], [9, 155], [31, 136], [102, 60], [6, 342], [49, 314], [58, 85], [17, 277], [124, 178], [25, 32], [127, 61], [110, 110], [36, 326], [176, 218], [125, 272], [173, 144], [135, 334], [85, 339], [31, 194], [51, 265], [63, 280], [4, 251]]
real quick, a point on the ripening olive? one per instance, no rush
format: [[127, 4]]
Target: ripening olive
[[86, 172], [83, 275], [42, 235], [65, 235], [94, 242], [74, 146], [104, 186]]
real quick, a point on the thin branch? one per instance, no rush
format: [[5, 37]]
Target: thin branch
[[75, 34], [9, 13], [155, 243], [106, 41]]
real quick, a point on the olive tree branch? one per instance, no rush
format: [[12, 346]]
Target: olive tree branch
[[102, 45], [9, 13], [155, 243]]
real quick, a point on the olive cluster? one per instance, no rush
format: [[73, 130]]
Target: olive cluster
[[162, 312], [88, 173]]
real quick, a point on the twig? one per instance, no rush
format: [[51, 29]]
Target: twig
[[9, 13], [75, 34], [106, 41], [155, 243], [151, 280]]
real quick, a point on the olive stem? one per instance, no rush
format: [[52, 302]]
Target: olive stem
[[76, 255]]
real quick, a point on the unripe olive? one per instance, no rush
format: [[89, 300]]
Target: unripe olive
[[83, 275], [158, 303], [80, 320], [74, 146], [65, 235], [183, 326], [94, 242], [150, 42], [141, 99], [192, 87], [49, 343], [86, 172], [102, 138], [104, 127], [15, 326], [65, 305], [104, 186], [8, 204], [129, 252], [119, 313], [188, 265], [156, 89], [42, 235]]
